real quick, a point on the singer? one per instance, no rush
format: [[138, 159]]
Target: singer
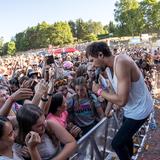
[[131, 93]]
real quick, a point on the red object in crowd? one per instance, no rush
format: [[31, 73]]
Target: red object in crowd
[[67, 50]]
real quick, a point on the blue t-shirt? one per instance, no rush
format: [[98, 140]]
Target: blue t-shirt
[[83, 110]]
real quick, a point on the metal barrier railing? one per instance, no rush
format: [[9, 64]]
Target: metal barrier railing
[[96, 144]]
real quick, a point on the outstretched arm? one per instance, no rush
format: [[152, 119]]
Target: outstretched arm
[[64, 137], [20, 94]]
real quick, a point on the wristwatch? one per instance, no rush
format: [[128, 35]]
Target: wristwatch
[[44, 99], [50, 94]]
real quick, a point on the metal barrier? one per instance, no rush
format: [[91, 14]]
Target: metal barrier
[[96, 144]]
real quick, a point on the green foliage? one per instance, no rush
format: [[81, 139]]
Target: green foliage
[[11, 48], [73, 27], [5, 48], [42, 35], [90, 37], [61, 34], [22, 43], [95, 27], [135, 17], [81, 29], [151, 12], [129, 17], [1, 45], [112, 28], [88, 30], [105, 28]]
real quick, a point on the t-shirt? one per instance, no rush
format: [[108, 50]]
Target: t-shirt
[[15, 157], [62, 119], [5, 158], [83, 111]]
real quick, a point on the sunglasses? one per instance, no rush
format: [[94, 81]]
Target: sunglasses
[[61, 83]]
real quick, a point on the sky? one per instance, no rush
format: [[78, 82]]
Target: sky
[[17, 15]]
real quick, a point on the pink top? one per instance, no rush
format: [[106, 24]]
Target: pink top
[[62, 119]]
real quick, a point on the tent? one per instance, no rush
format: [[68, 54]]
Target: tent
[[64, 50]]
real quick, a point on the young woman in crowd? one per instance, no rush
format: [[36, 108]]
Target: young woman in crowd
[[7, 138], [83, 107], [58, 112], [31, 118]]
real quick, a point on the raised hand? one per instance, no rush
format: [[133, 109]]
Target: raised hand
[[21, 94], [26, 83], [32, 139], [51, 85], [41, 87]]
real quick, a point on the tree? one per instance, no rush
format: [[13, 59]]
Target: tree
[[90, 37], [95, 27], [5, 48], [73, 27], [151, 12], [1, 45], [112, 28], [82, 30], [61, 34], [105, 28], [22, 44], [11, 48], [42, 35], [129, 17]]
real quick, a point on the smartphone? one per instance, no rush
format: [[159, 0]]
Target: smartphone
[[49, 59], [34, 83]]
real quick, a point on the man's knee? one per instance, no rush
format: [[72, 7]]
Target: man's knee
[[115, 144]]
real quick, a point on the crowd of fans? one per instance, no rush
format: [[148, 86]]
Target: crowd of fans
[[46, 107]]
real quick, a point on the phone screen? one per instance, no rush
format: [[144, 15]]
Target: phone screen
[[50, 59], [33, 85]]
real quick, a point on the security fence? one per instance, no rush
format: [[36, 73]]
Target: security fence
[[96, 144]]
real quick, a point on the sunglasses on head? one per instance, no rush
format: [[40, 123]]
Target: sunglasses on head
[[61, 83]]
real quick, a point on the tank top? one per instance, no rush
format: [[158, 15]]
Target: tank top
[[46, 148], [140, 103]]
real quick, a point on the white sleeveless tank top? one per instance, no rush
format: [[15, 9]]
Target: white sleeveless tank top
[[140, 103]]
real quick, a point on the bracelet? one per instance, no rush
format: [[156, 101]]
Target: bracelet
[[44, 99], [50, 94], [99, 92]]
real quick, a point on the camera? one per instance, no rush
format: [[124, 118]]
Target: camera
[[34, 83]]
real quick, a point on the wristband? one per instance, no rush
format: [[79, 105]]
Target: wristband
[[44, 99], [50, 94], [99, 92]]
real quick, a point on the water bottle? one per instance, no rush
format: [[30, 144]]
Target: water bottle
[[153, 124]]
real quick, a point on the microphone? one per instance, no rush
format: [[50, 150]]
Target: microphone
[[97, 73]]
